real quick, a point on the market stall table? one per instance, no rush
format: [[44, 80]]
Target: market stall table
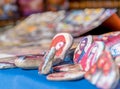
[[30, 79]]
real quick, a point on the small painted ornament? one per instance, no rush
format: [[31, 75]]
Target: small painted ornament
[[60, 44], [82, 48], [104, 73]]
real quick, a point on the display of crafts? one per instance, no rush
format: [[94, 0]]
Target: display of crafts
[[46, 41], [96, 58], [33, 29]]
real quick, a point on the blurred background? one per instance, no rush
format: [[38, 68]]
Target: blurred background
[[31, 21], [12, 11]]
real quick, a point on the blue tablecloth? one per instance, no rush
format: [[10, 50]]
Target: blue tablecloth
[[30, 79]]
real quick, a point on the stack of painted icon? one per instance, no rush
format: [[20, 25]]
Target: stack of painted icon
[[96, 58], [40, 28]]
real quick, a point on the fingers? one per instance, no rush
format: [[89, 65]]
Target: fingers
[[104, 74], [70, 75]]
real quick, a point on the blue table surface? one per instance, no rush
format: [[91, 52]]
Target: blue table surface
[[30, 79]]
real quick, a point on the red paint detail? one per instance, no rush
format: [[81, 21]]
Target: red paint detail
[[59, 38]]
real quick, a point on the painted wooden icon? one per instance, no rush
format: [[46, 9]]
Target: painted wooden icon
[[92, 55], [60, 44], [104, 73], [82, 48]]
